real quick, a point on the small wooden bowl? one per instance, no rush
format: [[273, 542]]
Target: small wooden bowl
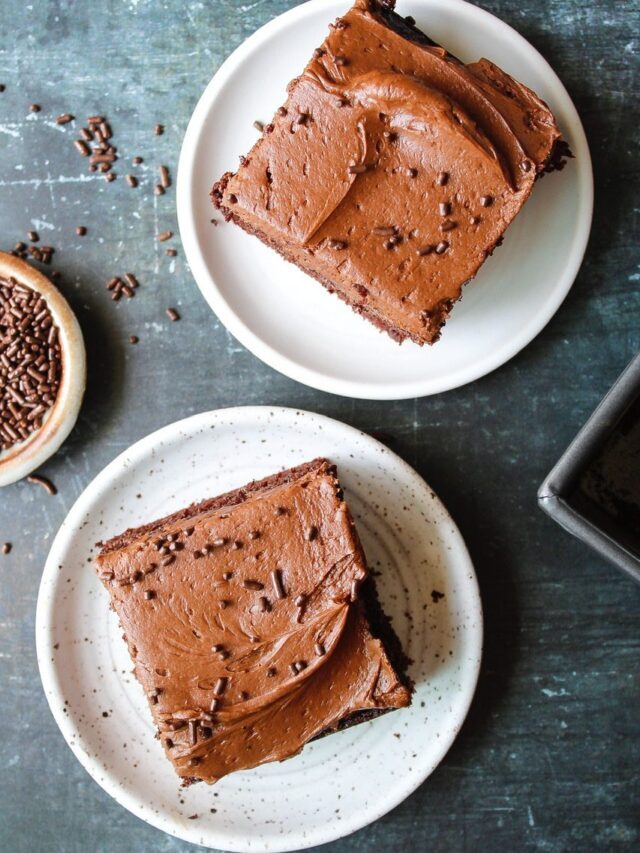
[[21, 459]]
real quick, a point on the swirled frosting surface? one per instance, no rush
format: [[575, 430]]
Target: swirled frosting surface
[[246, 627], [393, 169]]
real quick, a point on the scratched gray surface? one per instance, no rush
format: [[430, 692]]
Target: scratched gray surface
[[549, 757]]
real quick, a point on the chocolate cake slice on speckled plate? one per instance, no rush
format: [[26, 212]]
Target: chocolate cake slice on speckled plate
[[253, 624], [393, 169]]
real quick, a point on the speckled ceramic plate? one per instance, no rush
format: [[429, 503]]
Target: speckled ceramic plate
[[338, 784], [286, 318]]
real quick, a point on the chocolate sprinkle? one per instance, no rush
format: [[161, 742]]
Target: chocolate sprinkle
[[276, 582], [65, 118], [486, 200], [320, 650], [443, 179], [172, 314], [149, 594], [193, 732], [444, 208], [30, 361], [6, 548], [46, 484], [426, 250], [251, 584], [220, 686], [312, 533], [442, 247]]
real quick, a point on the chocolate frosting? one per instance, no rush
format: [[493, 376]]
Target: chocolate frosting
[[245, 624], [393, 169]]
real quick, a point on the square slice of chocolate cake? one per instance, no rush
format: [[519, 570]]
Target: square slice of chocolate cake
[[393, 169], [253, 624]]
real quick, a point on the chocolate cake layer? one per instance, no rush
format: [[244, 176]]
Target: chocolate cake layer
[[252, 623], [392, 171]]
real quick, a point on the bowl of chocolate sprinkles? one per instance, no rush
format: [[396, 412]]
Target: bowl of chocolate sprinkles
[[42, 369]]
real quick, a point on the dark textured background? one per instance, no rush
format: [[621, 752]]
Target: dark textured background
[[550, 755]]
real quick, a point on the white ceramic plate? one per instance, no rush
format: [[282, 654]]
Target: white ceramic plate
[[337, 784], [286, 318]]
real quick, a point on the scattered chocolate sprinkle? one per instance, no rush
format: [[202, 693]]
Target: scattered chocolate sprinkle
[[46, 484], [215, 704], [131, 180], [236, 545], [217, 647], [158, 129], [33, 236], [165, 178], [412, 173], [299, 600], [110, 177], [82, 147], [149, 594], [81, 230], [158, 189], [280, 510], [137, 160], [254, 534], [311, 533], [220, 686], [448, 225], [442, 247], [358, 169], [227, 575], [86, 134], [35, 108], [165, 235], [6, 548], [426, 250], [318, 52], [320, 650], [526, 165], [171, 252], [355, 586], [2, 87], [258, 126], [193, 732], [341, 60], [172, 314], [168, 560], [224, 654], [443, 179], [294, 668], [475, 220], [223, 604], [444, 208], [263, 604], [486, 200], [276, 582], [389, 244], [271, 672], [251, 584]]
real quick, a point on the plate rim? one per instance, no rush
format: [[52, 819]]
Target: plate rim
[[353, 388], [48, 665]]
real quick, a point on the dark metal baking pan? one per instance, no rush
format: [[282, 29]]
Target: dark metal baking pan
[[594, 490]]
